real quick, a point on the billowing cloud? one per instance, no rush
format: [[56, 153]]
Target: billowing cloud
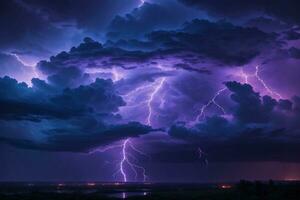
[[283, 10], [76, 119], [221, 41], [149, 17], [260, 129]]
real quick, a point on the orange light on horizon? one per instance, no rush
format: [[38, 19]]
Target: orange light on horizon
[[226, 186], [291, 179]]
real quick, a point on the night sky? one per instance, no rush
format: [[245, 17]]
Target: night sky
[[154, 90]]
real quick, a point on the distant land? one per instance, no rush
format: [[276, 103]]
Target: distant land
[[267, 190]]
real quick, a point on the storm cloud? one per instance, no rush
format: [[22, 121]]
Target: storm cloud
[[261, 129]]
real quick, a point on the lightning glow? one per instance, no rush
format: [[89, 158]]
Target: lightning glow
[[141, 3], [114, 74], [32, 66], [245, 76]]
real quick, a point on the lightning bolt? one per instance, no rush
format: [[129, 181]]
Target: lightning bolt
[[25, 63], [127, 143], [106, 148], [219, 92], [245, 76], [150, 101], [20, 60], [130, 95], [128, 159], [259, 79], [202, 155], [210, 102], [267, 88]]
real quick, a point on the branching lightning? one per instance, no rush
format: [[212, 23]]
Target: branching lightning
[[126, 160], [152, 96], [219, 92], [210, 102], [267, 88], [127, 144], [261, 80], [128, 167]]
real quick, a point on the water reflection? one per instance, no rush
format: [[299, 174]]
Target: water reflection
[[124, 195]]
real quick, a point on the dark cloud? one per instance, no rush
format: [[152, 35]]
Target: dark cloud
[[70, 119], [26, 31], [294, 52], [197, 41], [76, 140], [292, 35], [224, 141], [186, 49], [189, 68], [284, 10], [251, 108], [94, 15], [89, 54], [147, 18], [239, 149], [38, 29], [213, 40], [18, 100], [267, 24]]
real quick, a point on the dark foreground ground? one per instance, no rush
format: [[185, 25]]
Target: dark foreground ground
[[89, 191]]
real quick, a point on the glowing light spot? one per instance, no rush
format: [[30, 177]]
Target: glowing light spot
[[91, 184], [226, 187]]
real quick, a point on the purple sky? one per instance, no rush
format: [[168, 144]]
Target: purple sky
[[161, 90]]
